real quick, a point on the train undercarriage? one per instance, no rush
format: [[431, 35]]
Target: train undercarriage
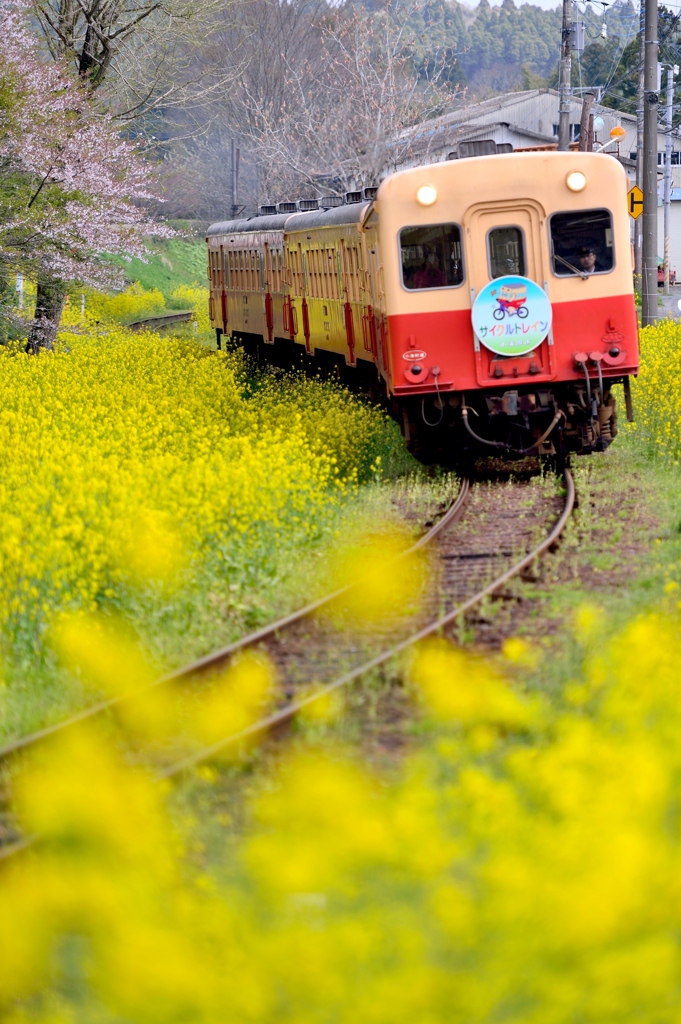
[[455, 428]]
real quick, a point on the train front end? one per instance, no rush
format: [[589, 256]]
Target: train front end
[[509, 290]]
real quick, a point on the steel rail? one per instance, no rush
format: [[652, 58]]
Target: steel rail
[[217, 658], [289, 711], [285, 714]]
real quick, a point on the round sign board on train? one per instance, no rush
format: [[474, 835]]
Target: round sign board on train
[[511, 315]]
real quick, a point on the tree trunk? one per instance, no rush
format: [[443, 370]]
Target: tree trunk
[[48, 308]]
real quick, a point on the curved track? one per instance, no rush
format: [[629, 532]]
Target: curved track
[[217, 659], [487, 537], [470, 560]]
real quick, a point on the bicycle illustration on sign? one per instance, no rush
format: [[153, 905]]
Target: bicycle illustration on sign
[[511, 299], [511, 315]]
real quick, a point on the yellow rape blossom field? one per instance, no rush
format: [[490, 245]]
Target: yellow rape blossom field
[[657, 391], [523, 866], [519, 865], [155, 479]]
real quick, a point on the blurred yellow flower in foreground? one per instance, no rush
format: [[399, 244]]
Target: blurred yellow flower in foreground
[[504, 873], [461, 688], [388, 582], [238, 696]]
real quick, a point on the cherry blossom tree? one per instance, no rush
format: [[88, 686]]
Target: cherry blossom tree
[[72, 191]]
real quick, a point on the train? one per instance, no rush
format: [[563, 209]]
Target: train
[[486, 302]]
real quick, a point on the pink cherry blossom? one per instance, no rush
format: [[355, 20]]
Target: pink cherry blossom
[[74, 190]]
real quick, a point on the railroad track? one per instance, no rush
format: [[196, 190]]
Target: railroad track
[[214, 661], [495, 536], [155, 323], [490, 534]]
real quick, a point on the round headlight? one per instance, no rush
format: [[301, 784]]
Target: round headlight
[[576, 181], [426, 195]]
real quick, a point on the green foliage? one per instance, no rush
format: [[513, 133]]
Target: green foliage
[[172, 263], [494, 48], [607, 64]]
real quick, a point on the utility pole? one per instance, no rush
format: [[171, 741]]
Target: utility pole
[[640, 104], [649, 215], [564, 79], [586, 123], [236, 158], [671, 71]]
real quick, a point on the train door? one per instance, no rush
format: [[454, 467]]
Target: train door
[[369, 291], [507, 238], [379, 337], [304, 259], [224, 282], [269, 257], [351, 290]]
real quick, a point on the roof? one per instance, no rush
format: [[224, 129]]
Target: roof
[[471, 112], [349, 213], [274, 223]]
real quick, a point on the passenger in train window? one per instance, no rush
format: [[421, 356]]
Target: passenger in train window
[[582, 243], [430, 275], [431, 256]]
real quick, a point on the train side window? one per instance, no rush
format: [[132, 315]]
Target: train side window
[[331, 274], [506, 252], [431, 256], [315, 276], [582, 243]]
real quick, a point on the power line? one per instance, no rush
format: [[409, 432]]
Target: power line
[[618, 56]]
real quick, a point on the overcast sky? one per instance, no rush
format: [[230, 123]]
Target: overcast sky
[[550, 4], [546, 4]]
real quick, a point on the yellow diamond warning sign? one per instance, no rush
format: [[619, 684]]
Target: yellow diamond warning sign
[[635, 202]]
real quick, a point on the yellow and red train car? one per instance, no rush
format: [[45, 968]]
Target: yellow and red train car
[[487, 301]]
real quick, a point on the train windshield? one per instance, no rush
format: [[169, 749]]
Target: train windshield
[[506, 252], [431, 256], [581, 242]]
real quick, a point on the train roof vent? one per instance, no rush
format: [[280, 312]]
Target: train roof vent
[[329, 202], [267, 211], [287, 207], [370, 192], [308, 204], [353, 197], [477, 147]]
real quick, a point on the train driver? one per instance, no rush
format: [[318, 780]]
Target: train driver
[[586, 256], [430, 275]]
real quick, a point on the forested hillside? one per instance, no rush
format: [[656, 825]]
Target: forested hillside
[[493, 49]]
